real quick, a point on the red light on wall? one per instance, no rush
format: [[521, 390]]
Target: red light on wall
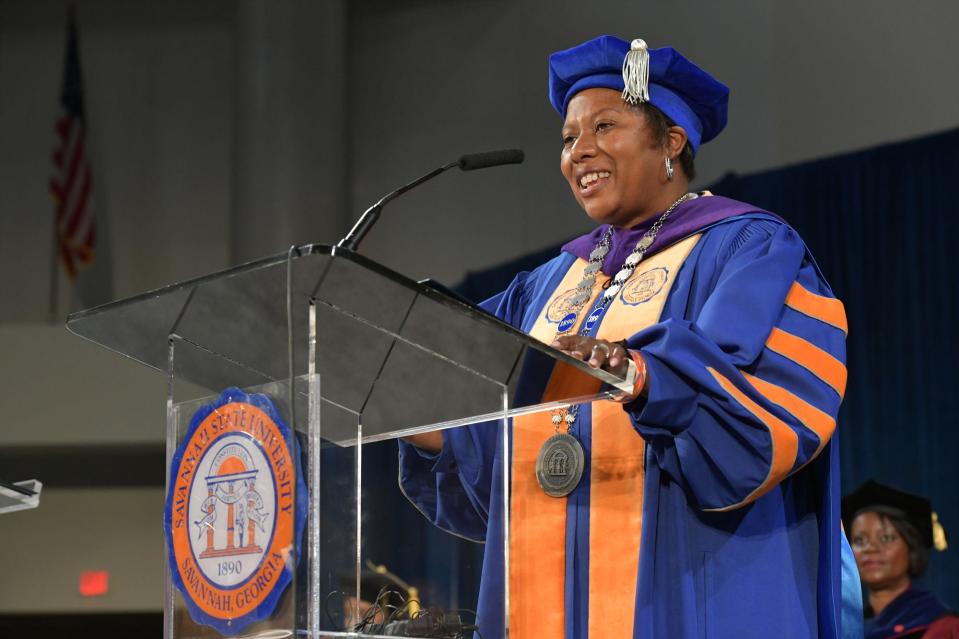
[[94, 583]]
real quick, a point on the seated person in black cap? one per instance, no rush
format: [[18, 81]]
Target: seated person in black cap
[[891, 532]]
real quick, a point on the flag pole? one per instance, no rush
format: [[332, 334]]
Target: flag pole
[[54, 277]]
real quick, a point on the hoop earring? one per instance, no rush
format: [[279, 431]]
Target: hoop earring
[[669, 169]]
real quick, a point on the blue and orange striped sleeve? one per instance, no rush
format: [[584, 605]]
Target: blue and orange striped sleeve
[[746, 389]]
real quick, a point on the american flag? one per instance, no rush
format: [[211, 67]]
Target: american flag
[[71, 182]]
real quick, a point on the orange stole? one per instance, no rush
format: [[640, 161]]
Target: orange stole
[[538, 522], [537, 525]]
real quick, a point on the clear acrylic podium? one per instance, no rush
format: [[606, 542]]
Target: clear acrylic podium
[[344, 353], [20, 495]]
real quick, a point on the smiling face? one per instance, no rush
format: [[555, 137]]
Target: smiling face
[[882, 555], [613, 161]]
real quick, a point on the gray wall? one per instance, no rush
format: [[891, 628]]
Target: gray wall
[[223, 130], [75, 530], [432, 79]]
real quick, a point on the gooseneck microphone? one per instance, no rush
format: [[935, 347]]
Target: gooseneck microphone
[[469, 162]]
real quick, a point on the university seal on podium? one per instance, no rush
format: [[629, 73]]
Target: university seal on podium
[[235, 509]]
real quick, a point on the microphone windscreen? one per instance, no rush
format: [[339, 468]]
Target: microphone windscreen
[[490, 158]]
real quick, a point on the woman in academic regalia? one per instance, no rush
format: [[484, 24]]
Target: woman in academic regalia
[[704, 502], [891, 533]]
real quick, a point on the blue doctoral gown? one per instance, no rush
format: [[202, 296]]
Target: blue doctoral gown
[[911, 612], [740, 498]]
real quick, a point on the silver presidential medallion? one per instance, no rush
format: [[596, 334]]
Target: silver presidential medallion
[[559, 465]]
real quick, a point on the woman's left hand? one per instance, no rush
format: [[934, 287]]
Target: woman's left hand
[[598, 353]]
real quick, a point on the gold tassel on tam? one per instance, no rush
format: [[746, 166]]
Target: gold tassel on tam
[[938, 534], [636, 73]]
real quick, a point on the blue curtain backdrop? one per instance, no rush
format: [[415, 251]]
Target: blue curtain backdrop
[[882, 225]]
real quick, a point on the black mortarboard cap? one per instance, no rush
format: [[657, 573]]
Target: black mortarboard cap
[[917, 509]]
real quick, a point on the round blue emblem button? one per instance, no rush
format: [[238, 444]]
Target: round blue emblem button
[[593, 318], [567, 322]]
